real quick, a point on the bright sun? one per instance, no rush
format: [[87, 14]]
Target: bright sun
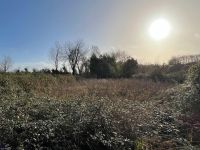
[[159, 29]]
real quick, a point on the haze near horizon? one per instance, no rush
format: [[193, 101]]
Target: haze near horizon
[[150, 31]]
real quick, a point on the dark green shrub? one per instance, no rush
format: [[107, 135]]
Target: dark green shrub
[[178, 77], [104, 66], [129, 68], [157, 75]]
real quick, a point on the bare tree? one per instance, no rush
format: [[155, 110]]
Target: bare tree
[[95, 50], [184, 59], [120, 56], [55, 54], [6, 63], [74, 53], [83, 65]]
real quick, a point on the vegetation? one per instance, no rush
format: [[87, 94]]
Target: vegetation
[[190, 91], [5, 64], [100, 102], [58, 111], [106, 66]]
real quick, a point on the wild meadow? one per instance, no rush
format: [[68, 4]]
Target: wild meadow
[[99, 75], [55, 111]]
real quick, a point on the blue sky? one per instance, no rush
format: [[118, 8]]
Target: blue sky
[[29, 28]]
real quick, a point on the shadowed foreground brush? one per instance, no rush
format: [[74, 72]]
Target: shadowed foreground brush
[[32, 123], [88, 114]]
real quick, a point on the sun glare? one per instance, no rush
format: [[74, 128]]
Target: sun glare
[[159, 29]]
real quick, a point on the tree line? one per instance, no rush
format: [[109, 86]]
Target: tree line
[[77, 59], [184, 59], [90, 62]]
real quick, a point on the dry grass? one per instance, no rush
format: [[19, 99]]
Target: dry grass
[[111, 112], [133, 89]]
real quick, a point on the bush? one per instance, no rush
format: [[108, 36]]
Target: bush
[[193, 80], [106, 66], [157, 75], [103, 67], [178, 77], [188, 94], [129, 68], [34, 123], [194, 76], [186, 101]]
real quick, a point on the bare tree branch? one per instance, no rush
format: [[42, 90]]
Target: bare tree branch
[[55, 54], [6, 64], [74, 54]]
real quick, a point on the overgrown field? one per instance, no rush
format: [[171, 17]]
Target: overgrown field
[[61, 112]]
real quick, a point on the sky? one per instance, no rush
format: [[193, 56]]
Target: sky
[[29, 28]]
